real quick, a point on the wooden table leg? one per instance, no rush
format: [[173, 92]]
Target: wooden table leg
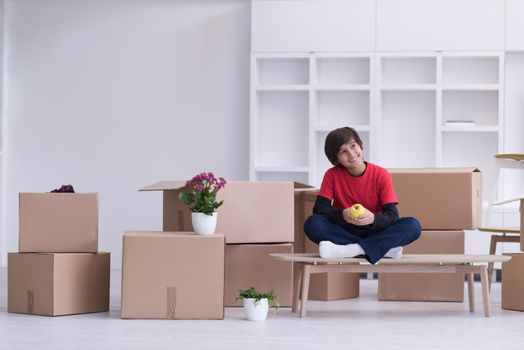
[[306, 272], [485, 290], [492, 250], [471, 292], [297, 290]]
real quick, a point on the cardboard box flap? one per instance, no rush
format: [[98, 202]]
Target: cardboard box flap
[[434, 170], [299, 186], [164, 185]]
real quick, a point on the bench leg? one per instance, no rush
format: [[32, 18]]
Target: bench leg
[[306, 273], [492, 250], [471, 292], [297, 290], [485, 290]]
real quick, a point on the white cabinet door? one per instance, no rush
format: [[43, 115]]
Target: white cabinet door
[[514, 25], [312, 25], [418, 25]]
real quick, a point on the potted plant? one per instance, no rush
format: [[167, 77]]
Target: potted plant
[[256, 304], [201, 199]]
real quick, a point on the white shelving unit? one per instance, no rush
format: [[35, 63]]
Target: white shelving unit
[[406, 106]]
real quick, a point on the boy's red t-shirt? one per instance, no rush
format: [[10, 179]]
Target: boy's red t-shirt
[[373, 189]]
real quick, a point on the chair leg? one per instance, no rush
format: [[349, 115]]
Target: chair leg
[[492, 250]]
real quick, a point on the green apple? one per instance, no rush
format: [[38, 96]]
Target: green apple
[[357, 210]]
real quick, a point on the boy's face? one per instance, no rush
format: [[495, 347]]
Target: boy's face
[[350, 156]]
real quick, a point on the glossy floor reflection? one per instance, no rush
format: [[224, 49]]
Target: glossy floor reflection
[[345, 324]]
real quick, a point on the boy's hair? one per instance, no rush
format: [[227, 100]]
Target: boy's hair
[[338, 137]]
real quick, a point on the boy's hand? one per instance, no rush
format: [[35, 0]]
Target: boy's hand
[[367, 218]]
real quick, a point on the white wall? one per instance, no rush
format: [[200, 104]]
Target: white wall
[[114, 95]]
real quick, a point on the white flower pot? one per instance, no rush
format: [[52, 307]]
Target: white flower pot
[[256, 311], [204, 224]]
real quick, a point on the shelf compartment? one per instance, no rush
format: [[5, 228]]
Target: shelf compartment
[[282, 129], [343, 71], [409, 70], [470, 70], [283, 71], [408, 135], [472, 128], [343, 108], [481, 107]]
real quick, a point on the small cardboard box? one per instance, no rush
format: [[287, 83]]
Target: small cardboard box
[[172, 275], [421, 286], [54, 284], [322, 286], [440, 198], [513, 282], [249, 265], [253, 212], [331, 285], [58, 222]]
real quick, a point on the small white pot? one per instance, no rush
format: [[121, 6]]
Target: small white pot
[[256, 311], [204, 224]]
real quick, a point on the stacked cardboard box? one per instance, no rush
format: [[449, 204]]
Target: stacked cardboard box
[[257, 219], [446, 201], [58, 270], [513, 274], [327, 285]]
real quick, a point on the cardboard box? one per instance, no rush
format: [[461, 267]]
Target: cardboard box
[[440, 198], [249, 265], [58, 222], [513, 282], [323, 286], [426, 287], [253, 212], [54, 284], [172, 275], [331, 285]]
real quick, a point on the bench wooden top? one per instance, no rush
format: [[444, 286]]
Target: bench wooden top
[[406, 259]]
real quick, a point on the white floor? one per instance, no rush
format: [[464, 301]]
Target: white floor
[[346, 324]]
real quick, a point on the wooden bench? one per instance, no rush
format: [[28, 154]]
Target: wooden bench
[[409, 263]]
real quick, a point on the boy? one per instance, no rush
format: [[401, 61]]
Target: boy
[[378, 232]]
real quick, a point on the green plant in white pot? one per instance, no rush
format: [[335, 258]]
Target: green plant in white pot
[[256, 304]]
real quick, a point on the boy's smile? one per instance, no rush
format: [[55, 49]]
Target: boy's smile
[[350, 156]]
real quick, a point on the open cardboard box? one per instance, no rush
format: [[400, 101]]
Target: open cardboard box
[[440, 198], [253, 212]]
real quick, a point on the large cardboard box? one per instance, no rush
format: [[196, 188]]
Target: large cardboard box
[[426, 287], [172, 275], [54, 284], [513, 283], [327, 285], [58, 222], [253, 212], [440, 198], [249, 265]]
